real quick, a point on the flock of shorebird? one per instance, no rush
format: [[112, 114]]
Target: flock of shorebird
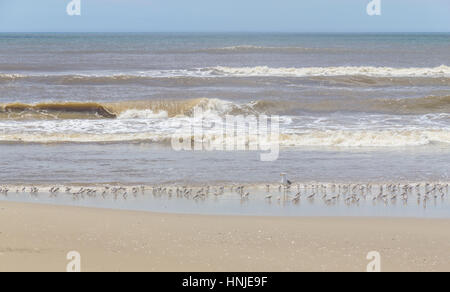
[[286, 191], [350, 194], [328, 193]]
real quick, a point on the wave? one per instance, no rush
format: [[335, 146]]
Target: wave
[[106, 77], [68, 110], [157, 121], [377, 81], [11, 77], [114, 110], [143, 114], [441, 71], [421, 105], [213, 79], [231, 72], [172, 108], [327, 138], [367, 138]]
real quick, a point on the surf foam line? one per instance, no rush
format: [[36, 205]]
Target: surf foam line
[[264, 71], [325, 138], [222, 71]]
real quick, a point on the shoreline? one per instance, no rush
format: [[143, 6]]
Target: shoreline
[[37, 237]]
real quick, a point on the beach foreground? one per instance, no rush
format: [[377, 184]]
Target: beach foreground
[[37, 237]]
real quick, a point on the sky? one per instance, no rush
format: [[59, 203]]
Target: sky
[[225, 16]]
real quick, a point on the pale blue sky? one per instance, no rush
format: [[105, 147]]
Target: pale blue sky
[[225, 15]]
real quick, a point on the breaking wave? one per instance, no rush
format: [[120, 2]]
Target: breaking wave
[[424, 121], [173, 108], [114, 110], [327, 138]]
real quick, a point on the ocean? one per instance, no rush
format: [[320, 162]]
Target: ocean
[[99, 108]]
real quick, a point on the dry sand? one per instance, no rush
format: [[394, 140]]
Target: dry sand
[[37, 238]]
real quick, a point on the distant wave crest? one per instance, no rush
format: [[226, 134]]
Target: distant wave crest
[[185, 75]]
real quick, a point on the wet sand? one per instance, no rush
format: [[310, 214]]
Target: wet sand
[[37, 237]]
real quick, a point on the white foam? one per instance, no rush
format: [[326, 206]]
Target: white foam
[[261, 71], [163, 131], [370, 138], [264, 71], [11, 76], [142, 114], [215, 107]]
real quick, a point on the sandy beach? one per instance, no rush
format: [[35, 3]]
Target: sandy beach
[[36, 237]]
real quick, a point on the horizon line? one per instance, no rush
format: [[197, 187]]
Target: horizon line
[[279, 32]]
